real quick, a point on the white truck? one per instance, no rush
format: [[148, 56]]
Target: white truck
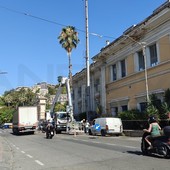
[[25, 119], [62, 118], [106, 125]]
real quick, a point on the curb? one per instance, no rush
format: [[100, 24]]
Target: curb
[[133, 133]]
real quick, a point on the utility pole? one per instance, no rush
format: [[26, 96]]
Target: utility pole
[[88, 106]]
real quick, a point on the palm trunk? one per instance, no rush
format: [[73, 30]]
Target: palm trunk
[[70, 69]]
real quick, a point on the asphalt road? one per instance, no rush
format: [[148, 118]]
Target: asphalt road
[[69, 152]]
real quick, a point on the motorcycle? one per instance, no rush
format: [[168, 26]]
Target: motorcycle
[[161, 144], [49, 132]]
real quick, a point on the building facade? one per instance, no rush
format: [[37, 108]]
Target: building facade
[[134, 66]]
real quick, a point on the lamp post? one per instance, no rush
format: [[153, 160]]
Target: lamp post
[[88, 106], [143, 46]]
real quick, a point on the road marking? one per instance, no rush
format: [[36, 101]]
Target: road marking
[[29, 156], [95, 142], [129, 147], [112, 144], [38, 162]]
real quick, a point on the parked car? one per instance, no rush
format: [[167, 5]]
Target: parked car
[[7, 125], [107, 125]]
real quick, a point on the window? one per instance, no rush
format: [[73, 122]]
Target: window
[[124, 108], [153, 55], [97, 85], [114, 111], [73, 96], [114, 72], [123, 68], [143, 106], [141, 61], [79, 92]]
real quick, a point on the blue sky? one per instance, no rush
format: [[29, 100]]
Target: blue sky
[[29, 48]]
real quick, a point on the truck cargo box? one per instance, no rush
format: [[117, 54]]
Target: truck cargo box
[[25, 119]]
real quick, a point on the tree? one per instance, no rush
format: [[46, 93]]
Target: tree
[[68, 38], [167, 97], [6, 114]]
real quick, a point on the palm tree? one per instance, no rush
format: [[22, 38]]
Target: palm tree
[[68, 38]]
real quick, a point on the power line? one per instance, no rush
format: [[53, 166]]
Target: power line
[[52, 22]]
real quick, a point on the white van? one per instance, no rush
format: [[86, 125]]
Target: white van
[[106, 125]]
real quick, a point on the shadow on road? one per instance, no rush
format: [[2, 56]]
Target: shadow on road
[[135, 152], [149, 155]]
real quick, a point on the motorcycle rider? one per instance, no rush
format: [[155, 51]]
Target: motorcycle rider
[[49, 126], [154, 130]]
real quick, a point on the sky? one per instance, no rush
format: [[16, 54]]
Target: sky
[[30, 52]]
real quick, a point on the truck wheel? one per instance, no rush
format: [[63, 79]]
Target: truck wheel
[[15, 131]]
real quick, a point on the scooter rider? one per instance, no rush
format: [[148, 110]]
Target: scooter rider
[[154, 130], [49, 126]]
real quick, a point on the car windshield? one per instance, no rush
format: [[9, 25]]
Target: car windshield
[[62, 116]]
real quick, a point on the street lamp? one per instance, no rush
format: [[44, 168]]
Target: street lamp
[[143, 46], [88, 106]]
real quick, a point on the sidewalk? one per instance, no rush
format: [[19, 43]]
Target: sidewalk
[[5, 155]]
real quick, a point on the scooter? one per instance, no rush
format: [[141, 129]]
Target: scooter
[[161, 144], [49, 132]]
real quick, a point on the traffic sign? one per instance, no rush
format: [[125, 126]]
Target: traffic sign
[[97, 127]]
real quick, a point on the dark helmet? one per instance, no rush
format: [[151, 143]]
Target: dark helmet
[[151, 119]]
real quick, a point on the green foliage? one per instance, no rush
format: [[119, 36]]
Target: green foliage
[[166, 110], [2, 101], [64, 90], [51, 90], [167, 97], [133, 114], [22, 97], [6, 114], [60, 107], [152, 110], [68, 38]]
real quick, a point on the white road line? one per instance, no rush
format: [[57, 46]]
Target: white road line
[[95, 142], [129, 147], [22, 152], [38, 162], [29, 156], [17, 148], [112, 144]]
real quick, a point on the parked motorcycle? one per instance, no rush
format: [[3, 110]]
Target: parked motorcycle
[[161, 144], [49, 132]]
